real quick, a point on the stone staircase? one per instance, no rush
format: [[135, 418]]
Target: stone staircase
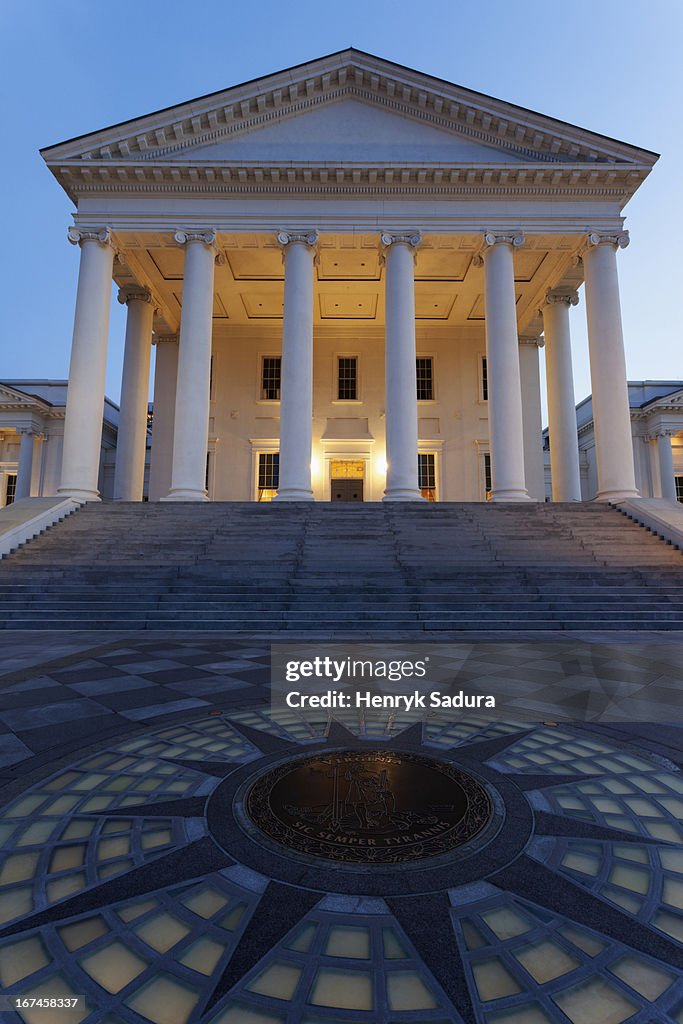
[[356, 568]]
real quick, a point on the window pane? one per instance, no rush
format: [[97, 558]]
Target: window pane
[[487, 473], [426, 475], [269, 471], [270, 378], [484, 380], [11, 487], [347, 378], [425, 379]]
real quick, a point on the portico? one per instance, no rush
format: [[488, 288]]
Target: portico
[[358, 267]]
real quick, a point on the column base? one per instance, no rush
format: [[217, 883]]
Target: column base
[[616, 495], [78, 494], [510, 495], [185, 494], [403, 494], [294, 494]]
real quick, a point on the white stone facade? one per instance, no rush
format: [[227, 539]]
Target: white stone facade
[[397, 242]]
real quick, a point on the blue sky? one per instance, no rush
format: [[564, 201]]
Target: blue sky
[[68, 67]]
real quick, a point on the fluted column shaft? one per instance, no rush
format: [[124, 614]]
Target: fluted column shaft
[[562, 430], [191, 427], [163, 420], [296, 390], [611, 414], [400, 368], [132, 432], [506, 428], [87, 369]]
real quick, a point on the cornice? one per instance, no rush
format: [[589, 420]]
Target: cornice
[[577, 182]]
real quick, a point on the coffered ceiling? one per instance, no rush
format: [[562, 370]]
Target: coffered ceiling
[[349, 278]]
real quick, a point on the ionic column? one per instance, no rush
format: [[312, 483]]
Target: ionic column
[[611, 414], [562, 430], [85, 395], [530, 380], [132, 431], [163, 419], [22, 487], [296, 391], [191, 427], [506, 428], [400, 367], [667, 479]]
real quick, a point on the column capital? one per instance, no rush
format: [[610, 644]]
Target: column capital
[[79, 235], [134, 293], [663, 432], [208, 237], [411, 238], [532, 339], [162, 339], [514, 239], [618, 239], [561, 296], [308, 238]]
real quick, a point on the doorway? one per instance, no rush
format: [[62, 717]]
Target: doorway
[[346, 480]]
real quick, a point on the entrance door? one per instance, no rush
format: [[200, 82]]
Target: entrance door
[[347, 490], [346, 480]]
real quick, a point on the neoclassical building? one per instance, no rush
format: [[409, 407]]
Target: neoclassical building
[[657, 434], [346, 269], [31, 437]]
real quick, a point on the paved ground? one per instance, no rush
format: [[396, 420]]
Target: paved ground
[[128, 875]]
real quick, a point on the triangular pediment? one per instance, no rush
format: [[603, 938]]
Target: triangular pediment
[[12, 398], [349, 130], [310, 110]]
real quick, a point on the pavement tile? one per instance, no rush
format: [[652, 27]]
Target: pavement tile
[[51, 714], [154, 710]]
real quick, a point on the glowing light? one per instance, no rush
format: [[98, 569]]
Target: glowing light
[[381, 465]]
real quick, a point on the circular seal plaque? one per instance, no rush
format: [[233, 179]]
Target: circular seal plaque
[[368, 807]]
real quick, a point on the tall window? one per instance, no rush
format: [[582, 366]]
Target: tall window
[[679, 488], [268, 475], [425, 378], [426, 475], [488, 479], [270, 378], [347, 378], [11, 487], [484, 380]]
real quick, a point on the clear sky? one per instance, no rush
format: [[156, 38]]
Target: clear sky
[[68, 67]]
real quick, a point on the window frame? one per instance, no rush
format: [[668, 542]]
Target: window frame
[[335, 399], [483, 377], [260, 370], [426, 356]]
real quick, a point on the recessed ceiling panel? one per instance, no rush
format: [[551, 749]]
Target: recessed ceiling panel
[[432, 265], [260, 305], [353, 265], [434, 305], [347, 305], [169, 262], [526, 264], [256, 264]]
